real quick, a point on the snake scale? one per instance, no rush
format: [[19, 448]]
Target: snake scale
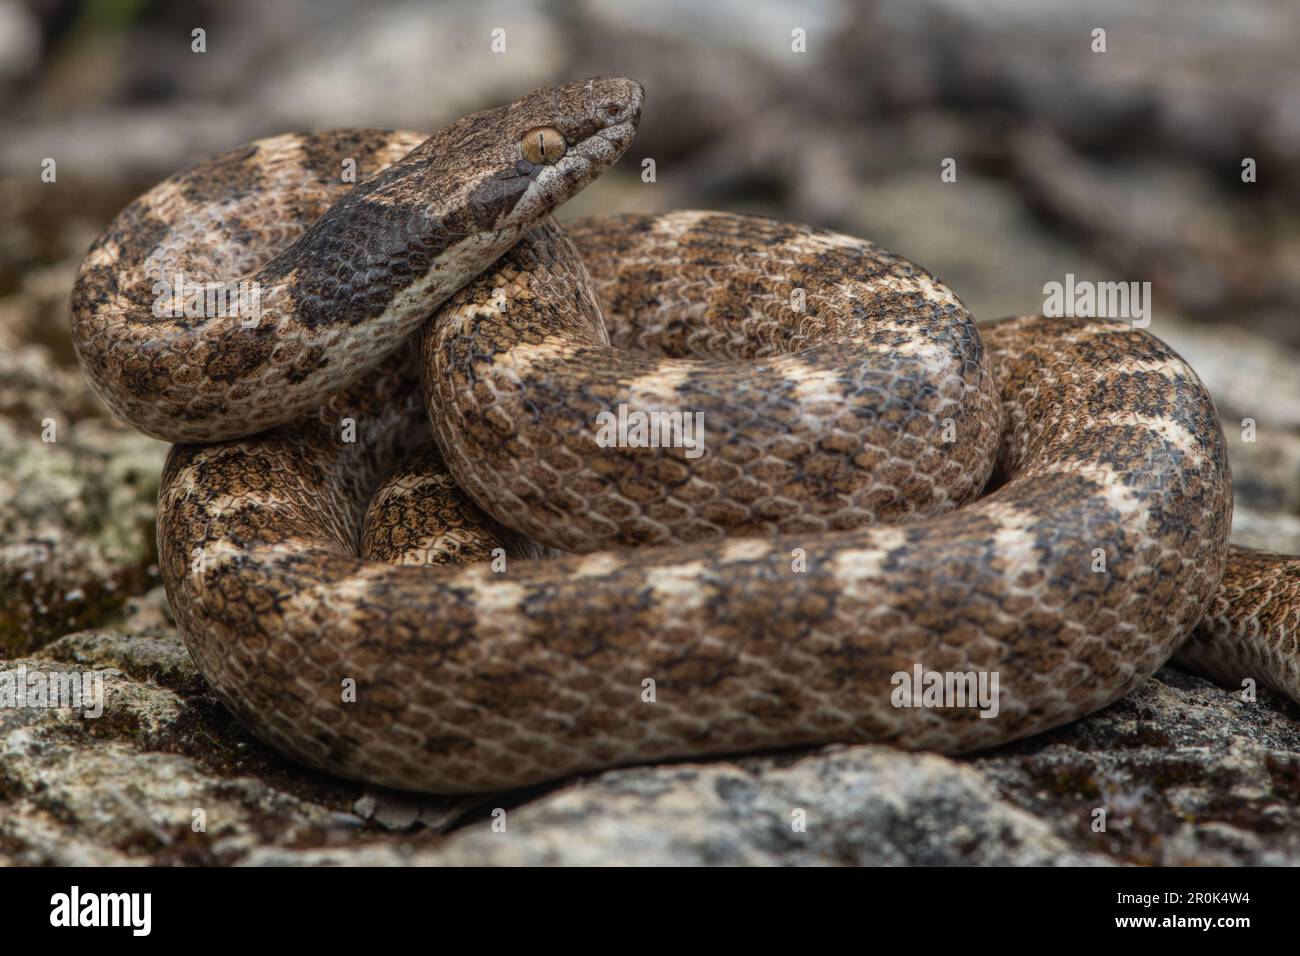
[[398, 550]]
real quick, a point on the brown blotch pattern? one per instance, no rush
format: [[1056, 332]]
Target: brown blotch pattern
[[831, 536], [472, 679]]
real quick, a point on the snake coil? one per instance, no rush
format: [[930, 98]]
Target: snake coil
[[402, 545]]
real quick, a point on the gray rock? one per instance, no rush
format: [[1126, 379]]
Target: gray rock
[[843, 805], [20, 41], [1187, 773], [1253, 379], [77, 527]]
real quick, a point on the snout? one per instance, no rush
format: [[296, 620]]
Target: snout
[[615, 99]]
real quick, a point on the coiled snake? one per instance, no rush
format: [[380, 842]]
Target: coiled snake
[[468, 613]]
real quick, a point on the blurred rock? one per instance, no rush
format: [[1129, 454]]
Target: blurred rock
[[77, 526], [1266, 530], [414, 65], [20, 42], [1252, 379]]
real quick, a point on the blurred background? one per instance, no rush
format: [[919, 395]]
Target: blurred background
[[1117, 165]]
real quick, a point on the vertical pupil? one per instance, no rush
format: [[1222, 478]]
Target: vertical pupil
[[542, 145]]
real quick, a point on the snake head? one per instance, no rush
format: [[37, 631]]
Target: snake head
[[580, 127], [501, 171], [558, 139]]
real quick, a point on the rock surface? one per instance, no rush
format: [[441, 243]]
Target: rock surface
[[76, 529]]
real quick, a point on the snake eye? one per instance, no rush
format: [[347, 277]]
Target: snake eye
[[542, 145]]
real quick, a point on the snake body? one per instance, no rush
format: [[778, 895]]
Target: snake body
[[398, 551]]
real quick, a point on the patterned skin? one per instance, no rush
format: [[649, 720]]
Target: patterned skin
[[830, 536]]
